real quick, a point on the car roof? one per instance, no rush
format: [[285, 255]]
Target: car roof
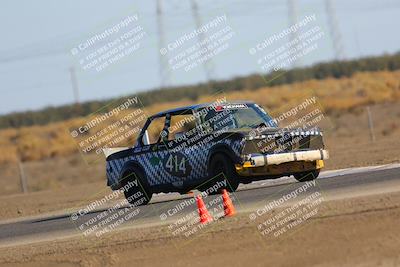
[[184, 110]]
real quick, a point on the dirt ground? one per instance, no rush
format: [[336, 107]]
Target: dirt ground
[[350, 232], [64, 184]]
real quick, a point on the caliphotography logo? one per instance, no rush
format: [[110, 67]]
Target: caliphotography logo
[[200, 133]]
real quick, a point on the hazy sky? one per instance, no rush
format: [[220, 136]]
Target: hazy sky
[[37, 37]]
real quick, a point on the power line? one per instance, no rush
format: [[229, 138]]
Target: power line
[[163, 58], [292, 12], [334, 30], [207, 64]]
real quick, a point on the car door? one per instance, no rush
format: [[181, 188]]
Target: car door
[[183, 161], [153, 151], [163, 165]]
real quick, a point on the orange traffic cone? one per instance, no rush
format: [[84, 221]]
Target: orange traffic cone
[[229, 209], [205, 217]]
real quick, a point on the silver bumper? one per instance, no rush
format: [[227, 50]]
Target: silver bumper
[[258, 160]]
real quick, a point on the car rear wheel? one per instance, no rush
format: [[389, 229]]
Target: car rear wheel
[[223, 170], [306, 176], [136, 191]]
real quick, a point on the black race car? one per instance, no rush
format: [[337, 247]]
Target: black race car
[[200, 146]]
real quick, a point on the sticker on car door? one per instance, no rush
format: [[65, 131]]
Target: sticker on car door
[[177, 164]]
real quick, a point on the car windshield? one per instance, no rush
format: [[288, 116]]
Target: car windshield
[[236, 116]]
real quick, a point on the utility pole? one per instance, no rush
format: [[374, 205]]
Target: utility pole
[[360, 54], [334, 30], [208, 66], [164, 68], [74, 82], [292, 8]]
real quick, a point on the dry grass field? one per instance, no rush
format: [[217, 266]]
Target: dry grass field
[[51, 159]]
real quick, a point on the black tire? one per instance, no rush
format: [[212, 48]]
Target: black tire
[[306, 176], [131, 190], [221, 168]]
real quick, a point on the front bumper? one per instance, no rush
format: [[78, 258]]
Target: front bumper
[[258, 160], [282, 163]]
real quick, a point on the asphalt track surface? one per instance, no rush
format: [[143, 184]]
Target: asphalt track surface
[[167, 209]]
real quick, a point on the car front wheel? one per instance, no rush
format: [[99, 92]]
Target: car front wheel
[[223, 170]]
